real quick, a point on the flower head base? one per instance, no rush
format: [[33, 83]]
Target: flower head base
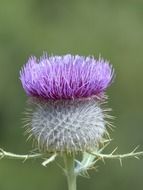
[[66, 77], [67, 126], [66, 92]]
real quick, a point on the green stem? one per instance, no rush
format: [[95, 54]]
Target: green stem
[[9, 155], [71, 176]]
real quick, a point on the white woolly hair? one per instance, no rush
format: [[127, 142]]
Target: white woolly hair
[[67, 125]]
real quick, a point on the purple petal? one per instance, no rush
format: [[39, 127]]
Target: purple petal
[[66, 77]]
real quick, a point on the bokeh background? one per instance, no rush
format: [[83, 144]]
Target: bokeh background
[[110, 28]]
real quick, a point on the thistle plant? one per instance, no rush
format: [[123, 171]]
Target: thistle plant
[[67, 115]]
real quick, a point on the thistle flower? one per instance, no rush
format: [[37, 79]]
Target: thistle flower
[[67, 93], [67, 117]]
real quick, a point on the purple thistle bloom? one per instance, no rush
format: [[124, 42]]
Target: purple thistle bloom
[[66, 77], [72, 118]]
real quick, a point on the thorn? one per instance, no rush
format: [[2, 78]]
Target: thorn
[[78, 162], [104, 146], [96, 161], [47, 161], [107, 140], [114, 151], [33, 150], [84, 174], [93, 168], [108, 135], [25, 159], [121, 163], [102, 159], [137, 157], [135, 149], [1, 157], [2, 153], [29, 137], [111, 126], [1, 150]]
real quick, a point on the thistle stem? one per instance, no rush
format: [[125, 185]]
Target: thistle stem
[[9, 155], [70, 173]]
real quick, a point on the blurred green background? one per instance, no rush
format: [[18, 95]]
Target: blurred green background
[[110, 28]]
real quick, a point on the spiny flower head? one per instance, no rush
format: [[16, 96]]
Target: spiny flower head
[[66, 77], [66, 92]]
